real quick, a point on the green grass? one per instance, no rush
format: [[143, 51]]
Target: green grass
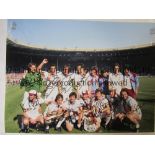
[[146, 99]]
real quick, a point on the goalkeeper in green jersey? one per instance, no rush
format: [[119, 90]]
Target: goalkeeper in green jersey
[[31, 80]]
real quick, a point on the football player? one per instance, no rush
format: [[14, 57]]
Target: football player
[[131, 107], [54, 113], [101, 108], [93, 82], [52, 82], [115, 104], [74, 112], [83, 82], [103, 81], [116, 80], [131, 82], [66, 82], [31, 80], [32, 111]]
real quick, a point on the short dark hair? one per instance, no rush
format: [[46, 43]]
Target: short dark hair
[[58, 97], [66, 65], [98, 91], [80, 64], [104, 70], [117, 64], [127, 67], [53, 65], [124, 90], [30, 65], [83, 67], [94, 68], [73, 94]]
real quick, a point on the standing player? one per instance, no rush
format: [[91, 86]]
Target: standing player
[[83, 82], [132, 110], [66, 82], [93, 83], [131, 82], [31, 80], [78, 68], [32, 110], [116, 80], [103, 81], [77, 76], [53, 82]]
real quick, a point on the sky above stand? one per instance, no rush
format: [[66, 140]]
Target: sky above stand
[[79, 33]]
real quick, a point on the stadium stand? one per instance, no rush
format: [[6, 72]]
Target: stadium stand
[[140, 58]]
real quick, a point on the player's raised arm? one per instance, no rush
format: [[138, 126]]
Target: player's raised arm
[[45, 61]]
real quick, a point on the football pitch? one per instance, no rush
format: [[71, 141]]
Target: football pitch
[[146, 100]]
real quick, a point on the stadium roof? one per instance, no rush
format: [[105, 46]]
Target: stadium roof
[[15, 43]]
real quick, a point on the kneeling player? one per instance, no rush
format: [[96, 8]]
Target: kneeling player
[[101, 108], [132, 110], [86, 100], [89, 119], [74, 112], [115, 104], [54, 113], [32, 111]]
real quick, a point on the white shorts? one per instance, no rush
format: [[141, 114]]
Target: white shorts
[[33, 114]]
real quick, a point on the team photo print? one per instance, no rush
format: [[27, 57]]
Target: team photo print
[[80, 77]]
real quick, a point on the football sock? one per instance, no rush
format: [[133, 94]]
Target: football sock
[[60, 122]]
